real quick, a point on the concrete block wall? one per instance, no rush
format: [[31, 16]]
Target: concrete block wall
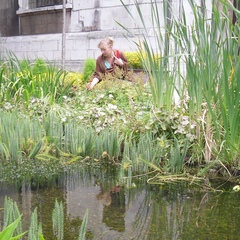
[[89, 22]]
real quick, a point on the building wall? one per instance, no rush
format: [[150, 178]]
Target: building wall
[[8, 18], [87, 22]]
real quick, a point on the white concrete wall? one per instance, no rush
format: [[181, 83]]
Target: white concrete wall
[[81, 42]]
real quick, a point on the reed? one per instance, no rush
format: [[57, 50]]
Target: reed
[[58, 220], [177, 156], [35, 229], [207, 49], [108, 144], [11, 213], [12, 223], [83, 229], [145, 148], [155, 54], [19, 134]]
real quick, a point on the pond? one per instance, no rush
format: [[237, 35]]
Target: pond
[[171, 211]]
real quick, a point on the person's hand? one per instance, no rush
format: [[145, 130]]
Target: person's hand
[[89, 86], [92, 83], [118, 61]]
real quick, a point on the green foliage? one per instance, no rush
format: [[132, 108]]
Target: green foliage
[[39, 66], [74, 78], [37, 82], [118, 116], [11, 226], [11, 213], [177, 156], [88, 69], [83, 228], [58, 220], [12, 221], [24, 65], [7, 233], [35, 230], [134, 60], [162, 81]]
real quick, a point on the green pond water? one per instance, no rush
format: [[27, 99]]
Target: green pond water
[[170, 211]]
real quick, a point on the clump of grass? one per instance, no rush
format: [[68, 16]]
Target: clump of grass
[[39, 66], [88, 69]]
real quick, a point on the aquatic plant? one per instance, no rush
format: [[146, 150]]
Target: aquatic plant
[[162, 80], [83, 228], [13, 225], [35, 229], [11, 213], [112, 123], [7, 233], [207, 48], [58, 220]]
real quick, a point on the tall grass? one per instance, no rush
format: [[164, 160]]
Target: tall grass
[[12, 223], [23, 81], [210, 80], [209, 47], [152, 51]]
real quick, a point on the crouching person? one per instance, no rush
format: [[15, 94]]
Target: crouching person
[[107, 62]]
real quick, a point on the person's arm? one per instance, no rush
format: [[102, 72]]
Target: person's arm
[[96, 77], [91, 84], [122, 61]]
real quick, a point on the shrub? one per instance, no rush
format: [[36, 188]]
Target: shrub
[[39, 66], [134, 59], [88, 69], [75, 78]]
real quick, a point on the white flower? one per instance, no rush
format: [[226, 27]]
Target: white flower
[[111, 106], [64, 119], [236, 188]]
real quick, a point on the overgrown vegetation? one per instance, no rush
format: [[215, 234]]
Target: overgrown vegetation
[[171, 123], [179, 126], [12, 223]]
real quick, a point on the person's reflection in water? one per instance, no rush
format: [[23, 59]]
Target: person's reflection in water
[[114, 208]]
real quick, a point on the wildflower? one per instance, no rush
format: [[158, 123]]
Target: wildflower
[[236, 188]]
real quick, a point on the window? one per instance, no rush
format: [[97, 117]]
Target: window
[[44, 3]]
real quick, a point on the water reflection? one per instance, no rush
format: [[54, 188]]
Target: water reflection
[[114, 207], [115, 212]]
